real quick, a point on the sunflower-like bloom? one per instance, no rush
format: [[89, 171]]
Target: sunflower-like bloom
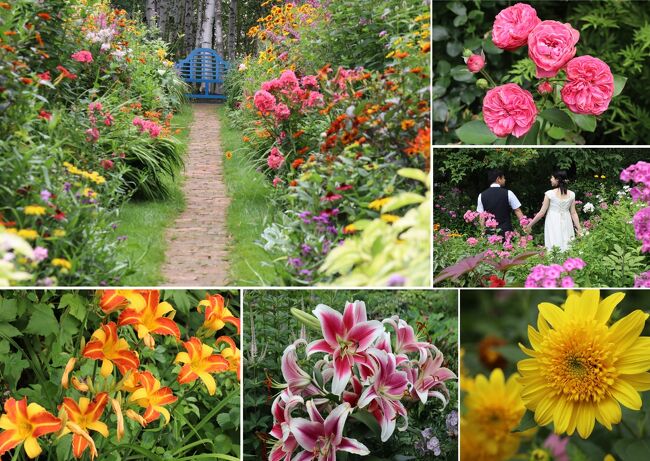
[[86, 416], [104, 345], [24, 424], [582, 369], [152, 397], [232, 354], [493, 409], [199, 363], [216, 314], [151, 318]]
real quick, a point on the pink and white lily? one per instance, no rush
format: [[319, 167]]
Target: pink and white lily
[[281, 410], [346, 337], [296, 378], [383, 393], [431, 376], [405, 339], [322, 438]]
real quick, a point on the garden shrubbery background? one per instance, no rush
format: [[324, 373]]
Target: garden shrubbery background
[[616, 32]]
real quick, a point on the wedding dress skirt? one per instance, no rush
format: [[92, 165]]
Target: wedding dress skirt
[[558, 226]]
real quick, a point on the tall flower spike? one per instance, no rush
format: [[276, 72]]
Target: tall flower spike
[[151, 319], [581, 369], [104, 345], [346, 337], [152, 397], [199, 362], [216, 314], [232, 354], [24, 424], [86, 416]]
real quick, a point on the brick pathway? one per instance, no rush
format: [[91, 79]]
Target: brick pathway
[[197, 250]]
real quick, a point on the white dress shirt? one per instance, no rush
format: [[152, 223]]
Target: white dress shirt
[[512, 200]]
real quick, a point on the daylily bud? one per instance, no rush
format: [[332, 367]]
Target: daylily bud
[[544, 88], [117, 408], [79, 385], [136, 417], [482, 84], [66, 372]]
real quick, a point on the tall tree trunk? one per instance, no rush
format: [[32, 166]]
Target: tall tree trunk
[[218, 29], [163, 8], [150, 12], [232, 29], [200, 11], [187, 25], [207, 24]]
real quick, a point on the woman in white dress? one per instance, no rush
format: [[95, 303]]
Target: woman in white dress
[[561, 216]]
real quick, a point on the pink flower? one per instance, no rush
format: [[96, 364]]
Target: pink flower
[[282, 112], [492, 239], [509, 109], [472, 241], [512, 26], [95, 106], [309, 81], [82, 56], [275, 159], [346, 337], [108, 119], [475, 62], [40, 254], [281, 411], [567, 282], [405, 340], [271, 85], [296, 378], [642, 228], [277, 181], [92, 134], [589, 86], [264, 101], [432, 375], [314, 99], [289, 80], [544, 88], [106, 164], [551, 45], [154, 129], [558, 447], [322, 438]]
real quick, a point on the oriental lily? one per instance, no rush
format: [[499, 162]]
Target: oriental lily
[[346, 337], [405, 340], [104, 345], [199, 363], [24, 423], [431, 375], [281, 410], [216, 314], [297, 379], [151, 318], [85, 415], [152, 397], [322, 438], [383, 394]]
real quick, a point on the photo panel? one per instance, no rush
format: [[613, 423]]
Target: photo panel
[[542, 217], [378, 368], [118, 374]]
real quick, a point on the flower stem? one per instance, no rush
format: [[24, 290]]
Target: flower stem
[[487, 76]]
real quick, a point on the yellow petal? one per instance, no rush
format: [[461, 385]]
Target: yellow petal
[[552, 314], [163, 411], [32, 448], [98, 426], [107, 368], [182, 357], [608, 412], [607, 305], [544, 411], [586, 420], [209, 382], [626, 394], [636, 358], [6, 423], [626, 331], [640, 382], [562, 415]]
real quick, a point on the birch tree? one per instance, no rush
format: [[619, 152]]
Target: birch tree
[[232, 29], [150, 12], [218, 29], [207, 24]]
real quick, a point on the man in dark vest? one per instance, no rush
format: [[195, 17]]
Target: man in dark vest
[[499, 201]]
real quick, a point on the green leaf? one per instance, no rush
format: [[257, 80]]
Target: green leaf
[[558, 118], [368, 420], [457, 8], [13, 368], [223, 419], [9, 331], [461, 74], [619, 84], [439, 33], [585, 122], [476, 132], [527, 422], [413, 173], [76, 303], [42, 321], [8, 310], [556, 132]]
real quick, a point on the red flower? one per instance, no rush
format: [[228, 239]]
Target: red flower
[[44, 16], [106, 164], [296, 163], [330, 197], [496, 282], [45, 76], [44, 115], [344, 187], [66, 73]]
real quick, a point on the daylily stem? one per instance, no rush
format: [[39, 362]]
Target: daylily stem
[[172, 409]]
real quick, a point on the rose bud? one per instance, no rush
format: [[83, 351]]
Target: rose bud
[[482, 84], [544, 88], [475, 62]]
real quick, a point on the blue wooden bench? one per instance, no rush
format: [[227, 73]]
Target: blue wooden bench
[[203, 67]]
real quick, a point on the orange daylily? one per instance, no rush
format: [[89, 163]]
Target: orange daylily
[[151, 319], [152, 397], [199, 363], [24, 423], [113, 300], [216, 314], [131, 382], [106, 346], [86, 416], [117, 409], [231, 354]]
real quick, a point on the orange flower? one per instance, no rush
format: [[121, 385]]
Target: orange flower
[[401, 54], [86, 415], [421, 144], [406, 124], [9, 32], [131, 382], [79, 385], [216, 314], [297, 162], [66, 372], [151, 319], [26, 80], [5, 5], [112, 300], [44, 16], [231, 354], [66, 73], [106, 346], [246, 139], [199, 363], [152, 397], [24, 423]]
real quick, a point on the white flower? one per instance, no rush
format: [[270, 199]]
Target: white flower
[[588, 207], [242, 67]]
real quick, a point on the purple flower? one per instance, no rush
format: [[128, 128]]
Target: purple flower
[[121, 238], [40, 254], [46, 195], [67, 186], [642, 228], [295, 262], [642, 280], [305, 272], [304, 216], [305, 248], [46, 282], [452, 423], [434, 445], [396, 280], [383, 33]]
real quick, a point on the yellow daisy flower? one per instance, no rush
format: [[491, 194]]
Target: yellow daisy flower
[[35, 210], [62, 263], [28, 234]]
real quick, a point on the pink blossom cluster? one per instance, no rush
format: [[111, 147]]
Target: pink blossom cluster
[[365, 367], [147, 125], [470, 216], [94, 108], [82, 56], [642, 280], [554, 275], [642, 228], [279, 96], [638, 173], [589, 86], [275, 159]]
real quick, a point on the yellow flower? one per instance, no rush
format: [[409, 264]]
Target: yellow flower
[[58, 233], [602, 176], [389, 218], [609, 457], [228, 155], [35, 210], [88, 192], [62, 263], [493, 408], [378, 204], [28, 234], [161, 53], [583, 369]]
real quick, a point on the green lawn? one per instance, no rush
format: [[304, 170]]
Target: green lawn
[[144, 222], [249, 213]]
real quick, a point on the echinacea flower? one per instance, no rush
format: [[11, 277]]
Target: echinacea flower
[[104, 345], [199, 362], [86, 416], [581, 369], [216, 314], [151, 318], [152, 397], [346, 337], [321, 437], [22, 423]]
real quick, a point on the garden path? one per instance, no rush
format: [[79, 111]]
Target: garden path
[[197, 243]]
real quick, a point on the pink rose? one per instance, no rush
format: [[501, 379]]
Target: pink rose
[[551, 45], [475, 63], [544, 88], [589, 87], [509, 109], [264, 101], [512, 26], [82, 56]]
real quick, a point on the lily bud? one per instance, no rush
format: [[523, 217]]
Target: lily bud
[[117, 408], [79, 385], [136, 417], [66, 372]]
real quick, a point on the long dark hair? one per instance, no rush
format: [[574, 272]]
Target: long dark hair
[[562, 181]]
